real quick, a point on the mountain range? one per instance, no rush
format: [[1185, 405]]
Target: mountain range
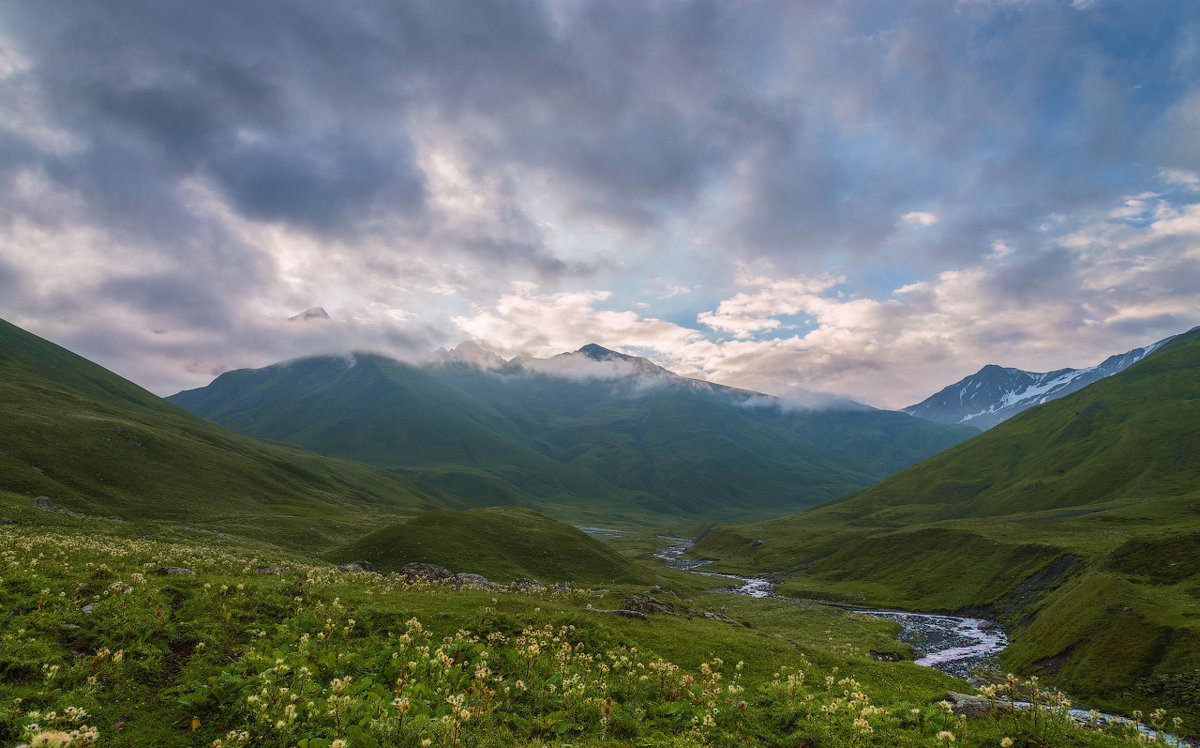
[[1075, 523], [995, 393], [591, 435]]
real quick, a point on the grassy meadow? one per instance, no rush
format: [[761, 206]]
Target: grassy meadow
[[260, 646]]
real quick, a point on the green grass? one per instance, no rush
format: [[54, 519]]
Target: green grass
[[306, 655], [501, 543]]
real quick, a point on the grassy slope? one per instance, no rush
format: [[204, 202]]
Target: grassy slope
[[95, 443], [623, 451], [1075, 521], [501, 543]]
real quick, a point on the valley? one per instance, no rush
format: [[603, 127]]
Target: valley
[[174, 580]]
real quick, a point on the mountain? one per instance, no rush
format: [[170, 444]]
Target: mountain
[[995, 393], [1077, 524], [592, 435], [99, 445]]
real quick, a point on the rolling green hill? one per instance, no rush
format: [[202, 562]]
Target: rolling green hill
[[501, 543], [1076, 522], [644, 447], [97, 444]]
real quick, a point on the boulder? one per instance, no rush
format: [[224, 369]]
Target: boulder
[[174, 571], [474, 581], [271, 570], [361, 566], [46, 505], [648, 604], [966, 705], [422, 572], [521, 584]]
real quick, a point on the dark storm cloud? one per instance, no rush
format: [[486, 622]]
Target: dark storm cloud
[[168, 300], [630, 112], [10, 279]]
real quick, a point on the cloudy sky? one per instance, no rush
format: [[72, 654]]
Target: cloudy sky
[[859, 197]]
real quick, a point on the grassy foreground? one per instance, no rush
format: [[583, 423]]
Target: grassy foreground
[[100, 646]]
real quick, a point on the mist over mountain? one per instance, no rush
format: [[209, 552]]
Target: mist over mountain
[[590, 433]]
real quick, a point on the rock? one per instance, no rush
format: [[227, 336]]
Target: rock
[[43, 503], [521, 584], [620, 612], [272, 570], [87, 609], [114, 518], [421, 572], [757, 543], [474, 581], [6, 520], [720, 617], [562, 587], [361, 566], [968, 706], [655, 590], [648, 604], [174, 571]]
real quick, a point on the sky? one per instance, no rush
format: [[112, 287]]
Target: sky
[[867, 198]]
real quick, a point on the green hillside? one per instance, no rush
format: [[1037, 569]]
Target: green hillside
[[501, 543], [96, 444], [1076, 522], [648, 449]]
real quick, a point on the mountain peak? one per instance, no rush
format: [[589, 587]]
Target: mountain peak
[[316, 312], [996, 393], [600, 353], [470, 352]]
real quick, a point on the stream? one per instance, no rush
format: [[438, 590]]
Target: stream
[[952, 644]]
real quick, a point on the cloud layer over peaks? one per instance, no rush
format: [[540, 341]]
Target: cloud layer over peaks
[[863, 197]]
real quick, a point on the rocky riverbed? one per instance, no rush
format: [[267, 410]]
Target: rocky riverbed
[[951, 644], [955, 645]]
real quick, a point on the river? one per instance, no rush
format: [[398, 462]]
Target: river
[[953, 644]]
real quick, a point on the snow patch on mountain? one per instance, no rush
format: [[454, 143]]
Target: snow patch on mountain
[[995, 393]]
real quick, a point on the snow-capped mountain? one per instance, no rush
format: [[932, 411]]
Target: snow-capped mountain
[[996, 393]]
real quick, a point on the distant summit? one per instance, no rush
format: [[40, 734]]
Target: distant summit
[[625, 364], [471, 353], [996, 393], [316, 312]]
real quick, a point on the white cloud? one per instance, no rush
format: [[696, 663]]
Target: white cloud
[[756, 311], [543, 325], [1105, 288], [919, 218], [1181, 178]]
